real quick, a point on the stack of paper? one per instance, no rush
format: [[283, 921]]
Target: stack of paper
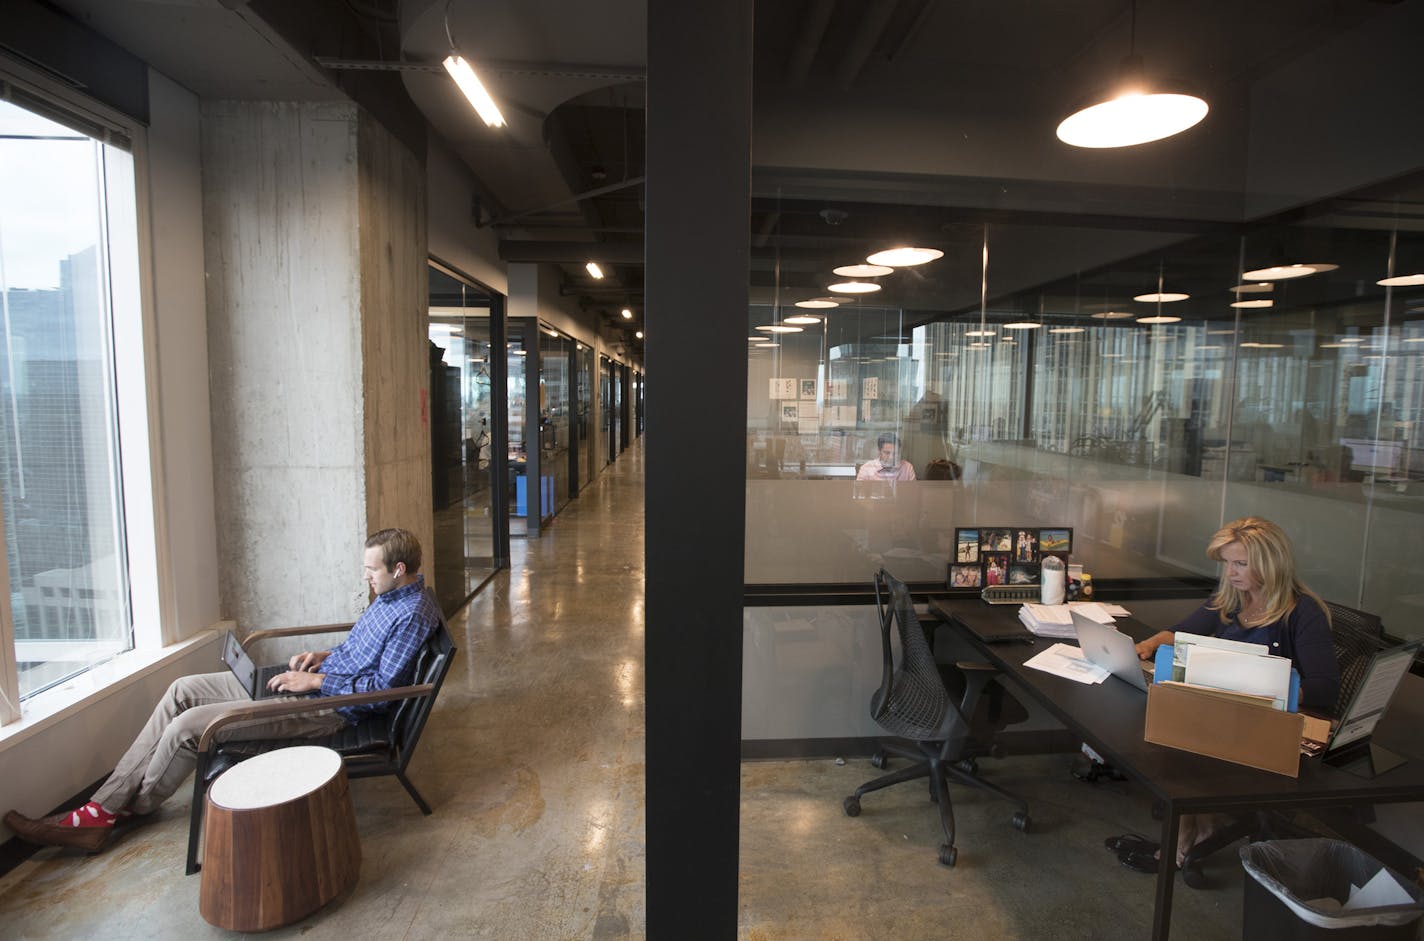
[[1231, 665], [1056, 620]]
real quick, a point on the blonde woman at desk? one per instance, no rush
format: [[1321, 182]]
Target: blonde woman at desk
[[1259, 600]]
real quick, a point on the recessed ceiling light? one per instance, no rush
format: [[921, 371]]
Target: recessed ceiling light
[[1259, 287], [1352, 339], [904, 257], [863, 271], [1402, 281], [1286, 272], [627, 314], [1259, 302], [778, 328], [1161, 297], [981, 333], [1023, 325], [1067, 329], [1112, 315], [853, 287], [819, 303], [1159, 318]]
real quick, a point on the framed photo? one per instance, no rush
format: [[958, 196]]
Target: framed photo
[[966, 545], [808, 389], [1005, 555], [965, 576], [870, 387], [790, 413], [783, 388]]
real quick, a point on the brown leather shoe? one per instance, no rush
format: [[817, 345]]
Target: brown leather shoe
[[49, 832]]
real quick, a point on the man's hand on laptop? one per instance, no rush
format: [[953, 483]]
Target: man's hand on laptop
[[295, 681], [307, 661]]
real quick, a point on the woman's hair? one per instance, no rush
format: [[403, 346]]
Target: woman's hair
[[1272, 563]]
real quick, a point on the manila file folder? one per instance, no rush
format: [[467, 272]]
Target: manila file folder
[[1246, 733]]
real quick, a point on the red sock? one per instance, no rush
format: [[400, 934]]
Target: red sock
[[90, 815]]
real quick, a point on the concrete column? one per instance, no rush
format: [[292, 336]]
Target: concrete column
[[314, 239]]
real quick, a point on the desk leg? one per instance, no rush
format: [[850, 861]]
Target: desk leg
[[1166, 876]]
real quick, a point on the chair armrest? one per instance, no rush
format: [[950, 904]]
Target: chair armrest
[[976, 665], [242, 712], [264, 634]]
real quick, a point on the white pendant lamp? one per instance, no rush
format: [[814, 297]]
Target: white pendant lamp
[[1134, 111]]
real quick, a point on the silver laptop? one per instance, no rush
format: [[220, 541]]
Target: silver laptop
[[1113, 651], [253, 679]]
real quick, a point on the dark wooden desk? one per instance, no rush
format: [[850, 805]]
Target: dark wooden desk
[[1110, 716]]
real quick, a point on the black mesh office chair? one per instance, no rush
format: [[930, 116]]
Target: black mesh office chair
[[912, 703], [1357, 636]]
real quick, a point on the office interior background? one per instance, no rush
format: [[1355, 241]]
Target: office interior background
[[265, 291]]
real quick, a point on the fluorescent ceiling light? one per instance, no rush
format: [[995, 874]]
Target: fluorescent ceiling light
[[1259, 302], [904, 257], [1067, 329], [802, 319], [980, 346], [778, 328], [863, 271], [981, 333], [521, 352], [767, 346], [756, 339], [819, 303], [1263, 346], [469, 83], [1402, 281], [593, 269], [1352, 339], [1112, 315], [1158, 318], [1023, 325], [1413, 340], [1334, 346], [853, 287], [1258, 288], [1161, 297], [1220, 333], [1286, 272]]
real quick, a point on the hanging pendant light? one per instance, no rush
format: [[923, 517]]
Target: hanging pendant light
[[1134, 111]]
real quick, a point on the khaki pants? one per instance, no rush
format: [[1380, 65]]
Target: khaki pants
[[166, 751]]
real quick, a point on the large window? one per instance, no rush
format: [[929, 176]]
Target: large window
[[68, 272]]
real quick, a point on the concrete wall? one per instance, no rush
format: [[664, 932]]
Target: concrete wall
[[282, 242], [395, 364]]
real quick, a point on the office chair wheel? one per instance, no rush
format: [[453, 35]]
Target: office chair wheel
[[879, 759], [968, 766], [852, 806], [948, 854], [1194, 877], [1021, 821]]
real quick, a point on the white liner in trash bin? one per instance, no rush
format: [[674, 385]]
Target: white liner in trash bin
[[1333, 917]]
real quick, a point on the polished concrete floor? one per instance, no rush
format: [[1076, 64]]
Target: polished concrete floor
[[533, 762]]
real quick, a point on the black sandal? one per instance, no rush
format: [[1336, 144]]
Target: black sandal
[[1130, 843]]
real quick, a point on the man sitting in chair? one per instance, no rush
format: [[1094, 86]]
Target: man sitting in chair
[[379, 653]]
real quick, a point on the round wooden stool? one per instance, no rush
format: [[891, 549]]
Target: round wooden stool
[[281, 839]]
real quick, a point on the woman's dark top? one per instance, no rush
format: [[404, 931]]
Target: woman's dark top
[[1303, 635]]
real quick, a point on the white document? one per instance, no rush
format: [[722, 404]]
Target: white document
[[1048, 620], [1097, 611], [1244, 673], [1068, 662], [1380, 892]]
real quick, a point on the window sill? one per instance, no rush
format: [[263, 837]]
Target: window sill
[[94, 686]]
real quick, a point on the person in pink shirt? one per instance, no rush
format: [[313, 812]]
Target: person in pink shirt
[[888, 466]]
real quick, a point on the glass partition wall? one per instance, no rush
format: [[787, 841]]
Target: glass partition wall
[[1265, 371], [464, 435]]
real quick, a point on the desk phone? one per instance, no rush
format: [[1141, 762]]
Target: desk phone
[[1011, 594]]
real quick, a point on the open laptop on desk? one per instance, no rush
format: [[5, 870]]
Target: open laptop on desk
[[253, 679], [1350, 747], [1115, 652]]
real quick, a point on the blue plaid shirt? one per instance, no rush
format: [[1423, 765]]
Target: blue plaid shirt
[[380, 651]]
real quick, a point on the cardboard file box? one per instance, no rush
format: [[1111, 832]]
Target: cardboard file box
[[1245, 733]]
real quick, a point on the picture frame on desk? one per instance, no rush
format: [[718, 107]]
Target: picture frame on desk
[[1005, 555]]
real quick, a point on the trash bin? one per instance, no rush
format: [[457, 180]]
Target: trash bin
[[1295, 890]]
